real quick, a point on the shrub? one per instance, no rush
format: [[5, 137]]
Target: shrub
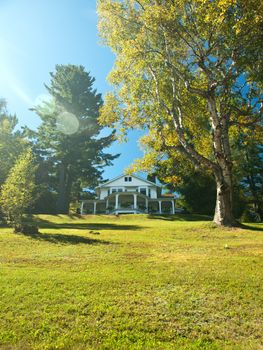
[[26, 229]]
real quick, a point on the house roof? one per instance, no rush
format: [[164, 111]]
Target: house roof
[[135, 176]]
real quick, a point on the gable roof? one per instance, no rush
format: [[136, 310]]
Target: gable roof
[[135, 176]]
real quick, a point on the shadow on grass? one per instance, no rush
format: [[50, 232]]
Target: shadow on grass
[[87, 226], [180, 217], [64, 239], [252, 227], [196, 217]]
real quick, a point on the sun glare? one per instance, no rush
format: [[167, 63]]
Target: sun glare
[[67, 123]]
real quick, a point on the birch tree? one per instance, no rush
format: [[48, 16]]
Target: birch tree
[[188, 72]]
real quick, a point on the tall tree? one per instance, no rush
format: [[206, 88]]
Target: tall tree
[[68, 140], [17, 193], [183, 71]]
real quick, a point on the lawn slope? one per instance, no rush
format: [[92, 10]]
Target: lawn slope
[[131, 282]]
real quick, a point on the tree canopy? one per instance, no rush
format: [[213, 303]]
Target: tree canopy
[[190, 73]]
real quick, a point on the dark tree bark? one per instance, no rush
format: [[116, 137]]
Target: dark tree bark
[[62, 206]]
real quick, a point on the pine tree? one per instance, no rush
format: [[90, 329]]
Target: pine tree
[[68, 139]]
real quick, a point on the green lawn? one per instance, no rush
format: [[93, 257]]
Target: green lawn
[[141, 283]]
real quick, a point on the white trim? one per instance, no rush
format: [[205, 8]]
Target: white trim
[[135, 200], [146, 190], [116, 201], [117, 188], [135, 176]]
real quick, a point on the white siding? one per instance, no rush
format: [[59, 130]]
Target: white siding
[[153, 192], [103, 193], [121, 182], [128, 186]]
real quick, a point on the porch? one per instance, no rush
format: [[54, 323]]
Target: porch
[[128, 203]]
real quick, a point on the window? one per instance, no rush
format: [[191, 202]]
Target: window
[[128, 179], [143, 190], [116, 190]]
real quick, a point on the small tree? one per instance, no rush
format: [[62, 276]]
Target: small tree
[[18, 189]]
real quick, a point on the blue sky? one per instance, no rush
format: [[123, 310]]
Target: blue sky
[[38, 34]]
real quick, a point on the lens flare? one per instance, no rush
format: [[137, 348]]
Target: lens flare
[[67, 123]]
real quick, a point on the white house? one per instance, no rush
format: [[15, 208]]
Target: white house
[[128, 194]]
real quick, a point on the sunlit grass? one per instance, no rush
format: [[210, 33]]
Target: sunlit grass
[[131, 282]]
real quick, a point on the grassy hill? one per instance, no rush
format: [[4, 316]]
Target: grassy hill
[[131, 282]]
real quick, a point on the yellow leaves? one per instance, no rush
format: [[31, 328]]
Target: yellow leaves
[[17, 192], [5, 125], [150, 142], [174, 179], [109, 112], [147, 163], [161, 46], [250, 134]]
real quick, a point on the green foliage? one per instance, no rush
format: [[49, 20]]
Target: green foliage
[[17, 193], [248, 165], [143, 283], [68, 141], [184, 72], [12, 142], [198, 193]]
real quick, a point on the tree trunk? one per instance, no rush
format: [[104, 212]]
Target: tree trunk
[[224, 200], [255, 197], [68, 193], [62, 205], [223, 168]]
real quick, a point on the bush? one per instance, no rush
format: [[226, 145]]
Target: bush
[[250, 215], [26, 229]]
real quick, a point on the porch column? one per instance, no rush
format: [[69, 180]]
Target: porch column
[[146, 204], [135, 201], [160, 207], [107, 203], [81, 208], [173, 206], [116, 201], [94, 208]]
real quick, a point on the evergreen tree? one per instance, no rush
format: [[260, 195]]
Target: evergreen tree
[[68, 140], [253, 180], [248, 165]]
